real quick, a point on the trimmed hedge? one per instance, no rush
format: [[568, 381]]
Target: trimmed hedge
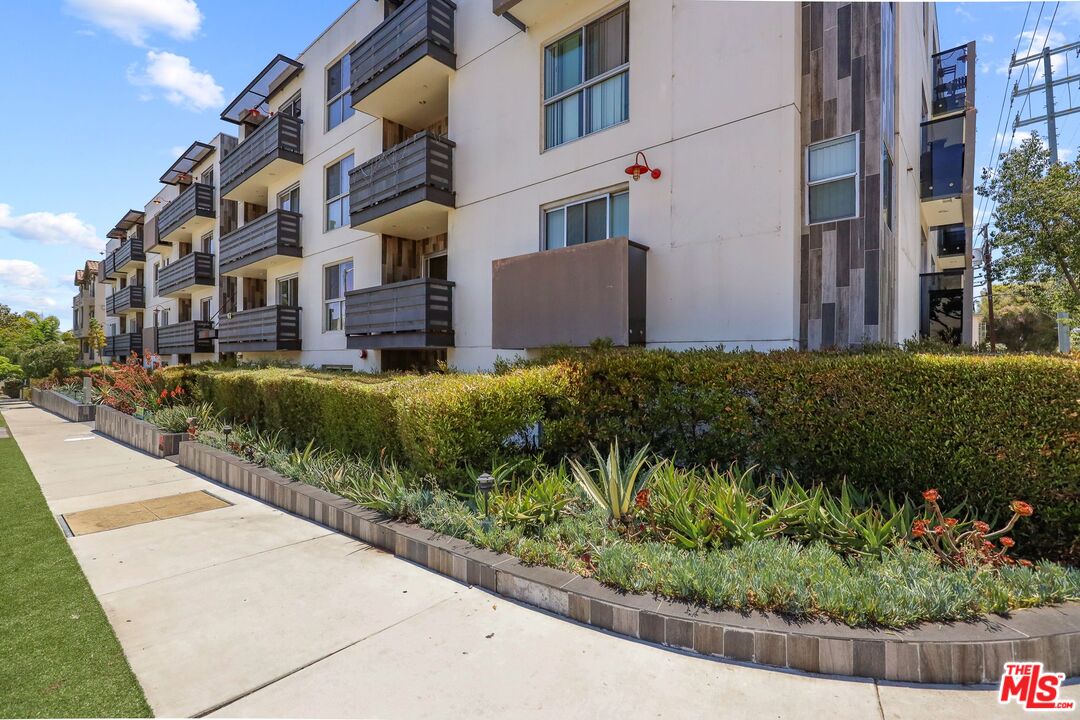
[[437, 424], [982, 428]]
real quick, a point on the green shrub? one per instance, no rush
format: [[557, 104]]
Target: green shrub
[[985, 428], [52, 358]]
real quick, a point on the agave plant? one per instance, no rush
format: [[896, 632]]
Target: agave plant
[[539, 501], [744, 515], [676, 505], [613, 484]]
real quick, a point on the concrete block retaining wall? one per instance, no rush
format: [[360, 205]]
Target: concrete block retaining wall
[[930, 653], [62, 405], [137, 433]]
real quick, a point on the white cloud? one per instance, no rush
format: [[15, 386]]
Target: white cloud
[[176, 151], [988, 38], [50, 228], [182, 84], [134, 20], [21, 274]]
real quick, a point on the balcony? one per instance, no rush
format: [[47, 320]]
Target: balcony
[[122, 345], [407, 190], [570, 296], [530, 12], [185, 338], [400, 71], [178, 278], [946, 178], [125, 258], [260, 160], [260, 330], [943, 310], [251, 248], [133, 297], [191, 213], [414, 314], [951, 246], [950, 93]]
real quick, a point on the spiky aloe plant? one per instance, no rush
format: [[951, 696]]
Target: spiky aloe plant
[[611, 484]]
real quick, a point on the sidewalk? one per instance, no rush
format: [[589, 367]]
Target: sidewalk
[[248, 611]]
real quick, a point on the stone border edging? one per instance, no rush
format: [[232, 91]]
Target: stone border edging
[[139, 434], [931, 653], [62, 405]]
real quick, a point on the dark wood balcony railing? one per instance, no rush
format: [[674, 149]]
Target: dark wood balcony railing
[[123, 344], [196, 201], [195, 268], [421, 168], [275, 233], [276, 327], [277, 137], [410, 314], [119, 260], [417, 29], [185, 338], [132, 297]]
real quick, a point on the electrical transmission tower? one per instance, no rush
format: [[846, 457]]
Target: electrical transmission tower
[[1049, 82]]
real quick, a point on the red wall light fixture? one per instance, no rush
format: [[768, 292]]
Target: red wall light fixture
[[640, 168]]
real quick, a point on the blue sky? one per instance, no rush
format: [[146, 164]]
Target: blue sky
[[102, 95]]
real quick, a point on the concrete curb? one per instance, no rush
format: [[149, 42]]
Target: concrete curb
[[62, 405], [136, 433], [930, 653]]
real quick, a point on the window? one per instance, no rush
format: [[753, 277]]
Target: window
[[587, 79], [583, 221], [288, 291], [435, 266], [337, 280], [207, 243], [289, 200], [337, 193], [338, 103], [291, 106], [833, 179], [165, 317], [204, 309]]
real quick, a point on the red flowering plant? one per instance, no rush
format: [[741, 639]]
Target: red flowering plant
[[128, 387], [960, 544]]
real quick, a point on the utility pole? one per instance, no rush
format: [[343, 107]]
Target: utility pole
[[988, 273], [1050, 118], [1047, 88]]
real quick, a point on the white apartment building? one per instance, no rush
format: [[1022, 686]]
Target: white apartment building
[[88, 304], [431, 181]]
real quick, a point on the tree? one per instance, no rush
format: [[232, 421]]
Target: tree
[[1022, 325], [1037, 224], [44, 360], [95, 336]]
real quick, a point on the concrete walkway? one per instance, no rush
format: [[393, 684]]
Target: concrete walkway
[[248, 611]]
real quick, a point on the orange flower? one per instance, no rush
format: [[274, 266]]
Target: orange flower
[[950, 522], [939, 530], [1025, 563], [980, 527], [918, 528], [642, 499], [1022, 508], [1007, 542], [930, 495]]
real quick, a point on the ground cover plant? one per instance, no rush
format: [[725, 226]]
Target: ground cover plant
[[734, 537], [979, 428], [60, 655]]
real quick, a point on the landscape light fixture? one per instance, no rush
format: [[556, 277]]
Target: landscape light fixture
[[485, 483], [227, 430]]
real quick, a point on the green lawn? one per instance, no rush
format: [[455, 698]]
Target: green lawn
[[59, 656]]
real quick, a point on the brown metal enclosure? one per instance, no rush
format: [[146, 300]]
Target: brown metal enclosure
[[570, 296]]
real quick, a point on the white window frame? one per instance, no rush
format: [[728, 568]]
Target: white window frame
[[326, 200], [206, 304], [344, 91], [583, 85], [581, 200], [340, 299], [287, 278], [430, 256], [808, 183], [289, 190]]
